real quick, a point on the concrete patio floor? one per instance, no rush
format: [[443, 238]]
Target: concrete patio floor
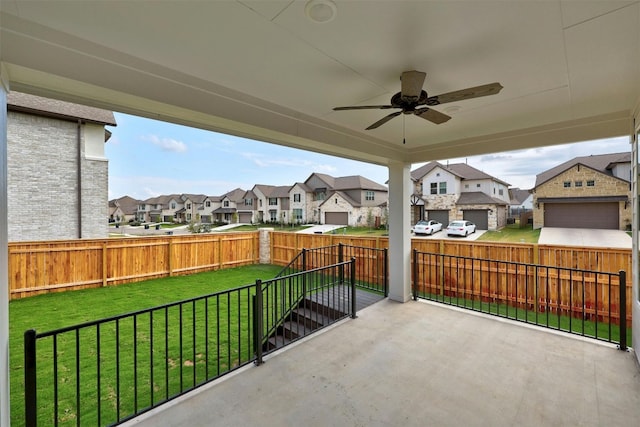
[[420, 364]]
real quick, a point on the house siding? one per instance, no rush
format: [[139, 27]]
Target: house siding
[[604, 186], [43, 179]]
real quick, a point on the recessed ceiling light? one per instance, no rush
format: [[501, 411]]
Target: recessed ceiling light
[[452, 109], [321, 11]]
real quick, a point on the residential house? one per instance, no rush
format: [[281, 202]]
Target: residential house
[[191, 207], [123, 209], [57, 179], [520, 201], [272, 203], [227, 210], [459, 191], [585, 192], [350, 200], [159, 209]]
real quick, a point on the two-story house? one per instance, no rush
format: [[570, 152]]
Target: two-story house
[[349, 200], [459, 191], [585, 192], [227, 210], [57, 179], [272, 203], [123, 209]]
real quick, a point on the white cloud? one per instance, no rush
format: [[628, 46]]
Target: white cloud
[[266, 162], [166, 144]]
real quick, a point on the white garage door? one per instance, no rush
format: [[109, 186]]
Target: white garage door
[[336, 218]]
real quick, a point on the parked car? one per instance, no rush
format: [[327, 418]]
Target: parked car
[[427, 227], [461, 228]]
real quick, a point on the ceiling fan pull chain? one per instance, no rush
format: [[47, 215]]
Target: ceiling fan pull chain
[[404, 141]]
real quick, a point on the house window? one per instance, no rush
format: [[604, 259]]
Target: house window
[[477, 185], [591, 183], [336, 201], [188, 205], [370, 195], [443, 188], [273, 215], [142, 207], [320, 195], [466, 186], [173, 205], [434, 188], [208, 203], [260, 202], [297, 214], [248, 202], [226, 203], [296, 197], [500, 192], [567, 184], [273, 201], [578, 183], [188, 217]]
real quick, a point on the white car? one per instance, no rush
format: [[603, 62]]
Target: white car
[[461, 228], [427, 227]]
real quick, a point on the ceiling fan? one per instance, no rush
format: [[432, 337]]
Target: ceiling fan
[[412, 96]]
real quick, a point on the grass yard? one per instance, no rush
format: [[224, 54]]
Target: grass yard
[[512, 233], [52, 311]]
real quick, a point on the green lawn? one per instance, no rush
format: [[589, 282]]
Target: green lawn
[[52, 311], [513, 234]]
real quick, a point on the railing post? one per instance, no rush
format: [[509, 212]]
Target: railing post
[[304, 276], [623, 309], [386, 272], [414, 278], [341, 260], [258, 320], [30, 384], [353, 287]]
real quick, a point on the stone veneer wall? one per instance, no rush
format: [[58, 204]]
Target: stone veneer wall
[[43, 181], [604, 186]]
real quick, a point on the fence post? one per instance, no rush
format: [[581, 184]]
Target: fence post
[[258, 322], [30, 385], [415, 274], [623, 309], [385, 267], [353, 287]]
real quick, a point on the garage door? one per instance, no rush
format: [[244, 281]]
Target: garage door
[[245, 217], [441, 216], [478, 217], [582, 215], [336, 218]]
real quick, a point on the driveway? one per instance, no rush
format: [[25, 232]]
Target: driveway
[[321, 229], [584, 237], [443, 235]]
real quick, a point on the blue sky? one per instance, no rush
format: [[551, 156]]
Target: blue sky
[[148, 158]]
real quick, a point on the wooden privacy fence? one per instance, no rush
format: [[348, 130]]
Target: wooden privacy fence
[[42, 267]]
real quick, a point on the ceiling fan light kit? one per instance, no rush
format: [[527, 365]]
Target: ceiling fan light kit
[[320, 11], [412, 95]]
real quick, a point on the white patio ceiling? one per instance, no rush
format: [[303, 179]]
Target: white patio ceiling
[[263, 70]]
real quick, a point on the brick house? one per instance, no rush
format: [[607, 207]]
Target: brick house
[[123, 210], [57, 164], [459, 191], [585, 192]]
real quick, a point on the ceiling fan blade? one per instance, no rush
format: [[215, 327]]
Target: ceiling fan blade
[[384, 120], [412, 82], [432, 115], [459, 95], [364, 107]]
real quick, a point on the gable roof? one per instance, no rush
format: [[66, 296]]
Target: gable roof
[[17, 101], [345, 196], [478, 198], [461, 170], [352, 182], [518, 196], [235, 195], [602, 163], [127, 204], [195, 198]]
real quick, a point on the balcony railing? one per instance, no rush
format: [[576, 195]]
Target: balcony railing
[[110, 370], [583, 302]]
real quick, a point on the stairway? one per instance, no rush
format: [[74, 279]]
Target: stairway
[[306, 318]]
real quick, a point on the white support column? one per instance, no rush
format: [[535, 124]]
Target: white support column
[[399, 231], [4, 257]]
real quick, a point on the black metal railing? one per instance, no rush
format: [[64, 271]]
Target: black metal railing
[[583, 302], [371, 264], [306, 301], [110, 370]]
